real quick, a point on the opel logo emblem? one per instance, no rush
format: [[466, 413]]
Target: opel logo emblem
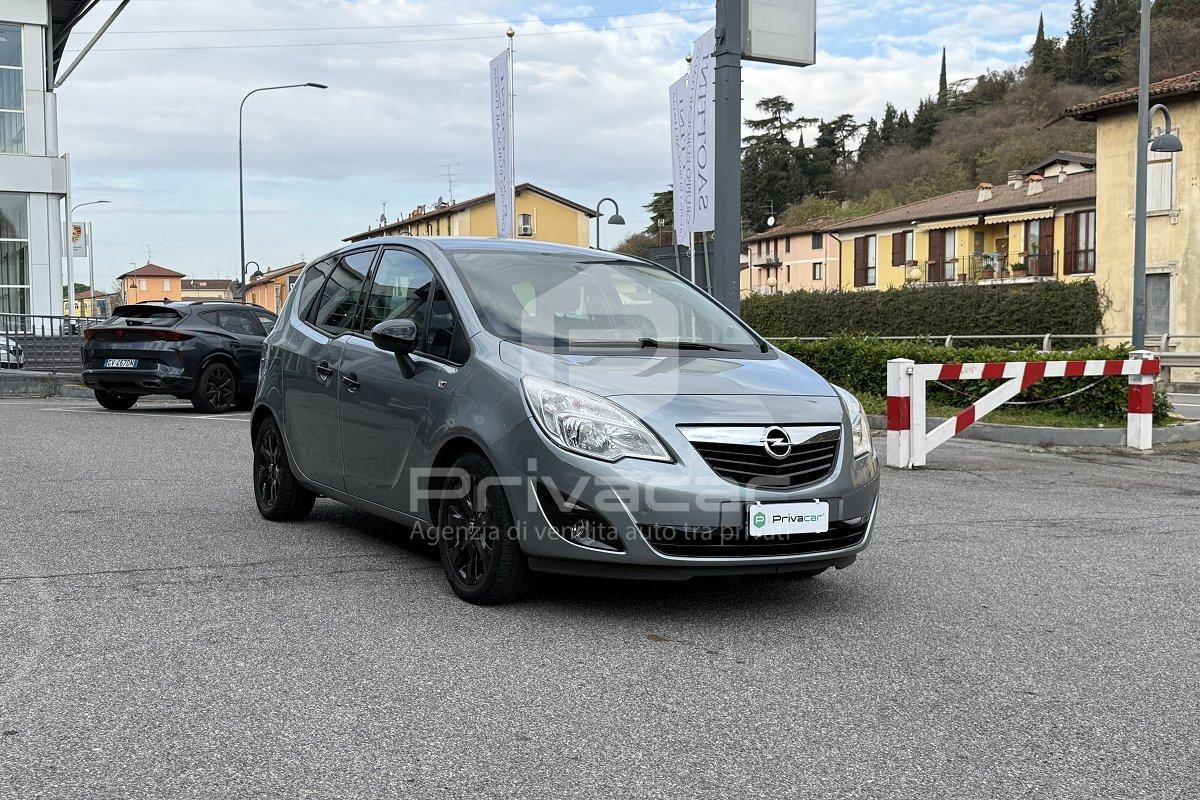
[[776, 442]]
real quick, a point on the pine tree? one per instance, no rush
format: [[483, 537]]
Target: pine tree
[[924, 124], [662, 211], [887, 128], [872, 143], [1076, 53], [1113, 24], [943, 94], [903, 128]]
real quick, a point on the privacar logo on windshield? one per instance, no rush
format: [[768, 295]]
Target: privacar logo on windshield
[[760, 519]]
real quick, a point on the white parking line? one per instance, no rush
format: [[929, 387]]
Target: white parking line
[[175, 414]]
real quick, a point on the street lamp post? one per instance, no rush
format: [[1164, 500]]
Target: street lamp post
[[615, 219], [1168, 142], [91, 250], [241, 180]]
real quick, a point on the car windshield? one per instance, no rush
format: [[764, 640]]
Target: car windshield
[[569, 300]]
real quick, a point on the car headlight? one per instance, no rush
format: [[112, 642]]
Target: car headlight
[[860, 431], [584, 423]]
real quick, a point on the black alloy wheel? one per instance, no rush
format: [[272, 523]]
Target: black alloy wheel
[[277, 493], [216, 390], [477, 538]]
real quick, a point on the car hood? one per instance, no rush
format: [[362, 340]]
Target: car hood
[[674, 374]]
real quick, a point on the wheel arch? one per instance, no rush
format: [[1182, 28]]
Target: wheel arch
[[454, 448]]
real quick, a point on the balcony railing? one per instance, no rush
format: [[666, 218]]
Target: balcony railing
[[1007, 267], [944, 271]]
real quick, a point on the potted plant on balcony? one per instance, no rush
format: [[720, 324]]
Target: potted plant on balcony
[[988, 271], [1020, 269]]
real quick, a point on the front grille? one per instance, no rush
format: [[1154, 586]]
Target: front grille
[[700, 541], [752, 465]]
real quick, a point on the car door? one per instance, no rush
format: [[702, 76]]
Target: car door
[[381, 411], [310, 377], [248, 335]]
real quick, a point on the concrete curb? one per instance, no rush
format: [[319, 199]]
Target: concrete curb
[[1057, 437], [27, 383]]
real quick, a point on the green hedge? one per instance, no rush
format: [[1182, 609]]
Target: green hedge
[[860, 365], [1030, 308]]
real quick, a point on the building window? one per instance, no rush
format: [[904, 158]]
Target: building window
[[865, 260], [14, 253], [902, 248], [525, 224], [166, 284], [818, 241], [760, 248], [1080, 246], [787, 245], [12, 91], [818, 272], [142, 286], [1160, 180]]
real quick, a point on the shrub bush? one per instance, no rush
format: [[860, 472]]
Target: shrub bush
[[1029, 308], [860, 365]]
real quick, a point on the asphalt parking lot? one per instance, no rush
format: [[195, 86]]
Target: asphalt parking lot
[[1023, 625]]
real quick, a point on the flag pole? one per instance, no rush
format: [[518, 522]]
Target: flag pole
[[512, 134]]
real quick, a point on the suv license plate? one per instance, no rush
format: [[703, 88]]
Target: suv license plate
[[782, 519], [127, 363]]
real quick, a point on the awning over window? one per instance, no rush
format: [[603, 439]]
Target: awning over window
[[1020, 216], [941, 224]]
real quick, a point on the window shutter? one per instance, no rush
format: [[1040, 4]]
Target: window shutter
[[937, 246], [898, 248], [1070, 242], [1046, 238], [860, 261]]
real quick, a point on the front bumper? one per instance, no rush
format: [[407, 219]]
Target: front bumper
[[638, 498]]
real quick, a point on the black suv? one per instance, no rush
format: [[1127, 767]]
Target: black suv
[[204, 351]]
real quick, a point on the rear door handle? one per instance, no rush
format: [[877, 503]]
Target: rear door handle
[[351, 382], [324, 370]]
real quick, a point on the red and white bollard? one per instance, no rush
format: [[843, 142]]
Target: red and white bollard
[[1139, 431], [899, 412]]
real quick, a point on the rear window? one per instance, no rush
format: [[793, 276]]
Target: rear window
[[144, 315]]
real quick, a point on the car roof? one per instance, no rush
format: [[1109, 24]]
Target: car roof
[[451, 244]]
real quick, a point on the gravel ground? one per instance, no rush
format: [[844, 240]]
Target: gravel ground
[[1024, 625]]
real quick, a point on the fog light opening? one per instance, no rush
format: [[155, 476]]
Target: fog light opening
[[577, 522]]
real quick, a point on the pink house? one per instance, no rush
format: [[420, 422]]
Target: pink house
[[787, 258]]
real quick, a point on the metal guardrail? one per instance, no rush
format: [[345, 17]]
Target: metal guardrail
[[46, 343]]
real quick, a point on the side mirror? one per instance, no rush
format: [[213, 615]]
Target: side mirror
[[397, 336]]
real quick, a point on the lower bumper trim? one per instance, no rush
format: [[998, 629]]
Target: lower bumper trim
[[596, 569]]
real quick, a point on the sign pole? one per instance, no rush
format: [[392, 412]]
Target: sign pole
[[91, 247], [512, 135], [728, 154]]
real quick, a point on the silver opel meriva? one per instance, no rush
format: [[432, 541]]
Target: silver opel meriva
[[543, 408]]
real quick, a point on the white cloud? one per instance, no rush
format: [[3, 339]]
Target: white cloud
[[156, 131]]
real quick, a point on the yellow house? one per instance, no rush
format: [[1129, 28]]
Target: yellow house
[[1040, 225], [91, 304], [541, 215], [151, 283], [271, 289], [207, 288], [1173, 205]]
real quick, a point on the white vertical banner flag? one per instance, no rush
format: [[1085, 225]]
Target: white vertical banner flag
[[703, 107], [502, 144], [681, 159]]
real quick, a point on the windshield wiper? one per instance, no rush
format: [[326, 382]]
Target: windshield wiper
[[653, 344]]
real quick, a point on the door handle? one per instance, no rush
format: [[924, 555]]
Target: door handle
[[351, 382], [324, 370]]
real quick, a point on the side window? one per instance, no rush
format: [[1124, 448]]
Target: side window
[[336, 308], [314, 279], [445, 339], [241, 322], [266, 318], [400, 289], [211, 317]]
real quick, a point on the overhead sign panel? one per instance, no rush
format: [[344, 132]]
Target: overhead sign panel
[[780, 31], [681, 145], [702, 105], [502, 148]]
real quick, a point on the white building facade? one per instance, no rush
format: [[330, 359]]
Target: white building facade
[[33, 176]]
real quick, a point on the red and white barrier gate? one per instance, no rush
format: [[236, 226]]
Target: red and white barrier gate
[[908, 443]]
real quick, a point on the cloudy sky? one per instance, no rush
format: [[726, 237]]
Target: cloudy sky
[[150, 118]]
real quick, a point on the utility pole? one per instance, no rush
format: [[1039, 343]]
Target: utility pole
[[727, 238], [1139, 203]]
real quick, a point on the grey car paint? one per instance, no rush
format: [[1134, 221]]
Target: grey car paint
[[360, 446]]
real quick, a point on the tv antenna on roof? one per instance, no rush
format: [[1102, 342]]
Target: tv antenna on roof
[[450, 176], [383, 215]]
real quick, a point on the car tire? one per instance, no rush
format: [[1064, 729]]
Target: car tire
[[115, 401], [216, 390], [477, 538], [277, 493]]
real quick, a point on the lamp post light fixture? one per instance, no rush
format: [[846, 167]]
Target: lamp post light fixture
[[615, 219], [241, 180]]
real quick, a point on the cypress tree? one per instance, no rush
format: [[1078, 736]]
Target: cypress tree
[[1113, 23], [943, 87], [887, 128], [1043, 56]]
